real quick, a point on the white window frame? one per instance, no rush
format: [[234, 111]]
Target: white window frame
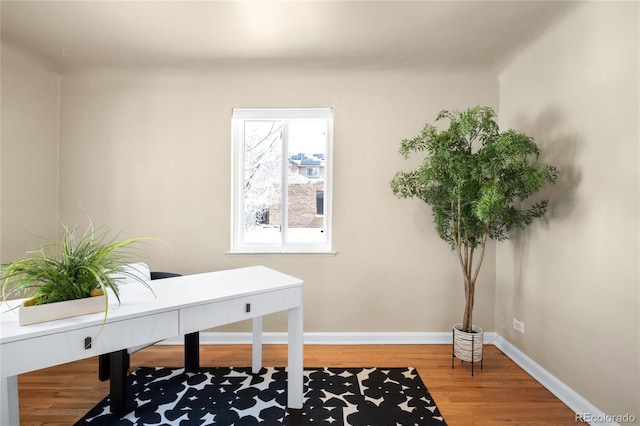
[[239, 115]]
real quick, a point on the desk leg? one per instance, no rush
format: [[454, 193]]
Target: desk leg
[[118, 384], [256, 358], [9, 405], [192, 352], [295, 376], [104, 368]]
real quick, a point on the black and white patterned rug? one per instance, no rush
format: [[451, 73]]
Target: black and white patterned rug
[[235, 396]]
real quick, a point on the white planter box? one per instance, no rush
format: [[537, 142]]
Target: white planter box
[[52, 311]]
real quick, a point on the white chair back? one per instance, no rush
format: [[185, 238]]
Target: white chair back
[[139, 270]]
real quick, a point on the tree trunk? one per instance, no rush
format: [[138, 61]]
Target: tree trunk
[[470, 277], [467, 322], [466, 256]]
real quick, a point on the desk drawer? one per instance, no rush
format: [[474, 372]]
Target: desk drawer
[[223, 312], [54, 349]]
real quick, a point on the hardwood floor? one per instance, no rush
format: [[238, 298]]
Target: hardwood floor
[[500, 393]]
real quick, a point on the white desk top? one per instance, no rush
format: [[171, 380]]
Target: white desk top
[[170, 294]]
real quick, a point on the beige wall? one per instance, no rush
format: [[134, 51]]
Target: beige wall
[[149, 151], [28, 152], [574, 280]]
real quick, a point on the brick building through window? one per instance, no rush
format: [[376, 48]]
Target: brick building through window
[[305, 193]]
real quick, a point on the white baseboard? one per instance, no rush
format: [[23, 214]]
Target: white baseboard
[[321, 338], [564, 393]]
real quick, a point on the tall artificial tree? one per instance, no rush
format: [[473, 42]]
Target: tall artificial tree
[[476, 180]]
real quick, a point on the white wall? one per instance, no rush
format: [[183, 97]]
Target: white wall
[[574, 280], [148, 151], [29, 152]]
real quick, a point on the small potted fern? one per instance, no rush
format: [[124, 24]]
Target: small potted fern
[[68, 278]]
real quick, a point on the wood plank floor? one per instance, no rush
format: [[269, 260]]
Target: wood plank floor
[[501, 393]]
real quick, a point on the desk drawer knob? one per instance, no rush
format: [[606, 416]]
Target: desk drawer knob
[[248, 307]]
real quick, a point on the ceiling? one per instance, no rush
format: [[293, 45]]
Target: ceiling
[[439, 34]]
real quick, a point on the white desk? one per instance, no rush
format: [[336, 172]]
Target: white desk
[[182, 305]]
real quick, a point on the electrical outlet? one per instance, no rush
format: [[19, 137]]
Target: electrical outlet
[[518, 325]]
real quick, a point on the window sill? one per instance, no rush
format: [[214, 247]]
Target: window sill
[[284, 253]]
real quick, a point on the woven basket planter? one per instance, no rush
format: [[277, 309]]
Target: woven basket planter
[[468, 346]]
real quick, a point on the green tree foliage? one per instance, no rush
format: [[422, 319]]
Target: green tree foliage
[[475, 178]]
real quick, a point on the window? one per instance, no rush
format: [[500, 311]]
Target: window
[[319, 203], [313, 172], [282, 180]]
